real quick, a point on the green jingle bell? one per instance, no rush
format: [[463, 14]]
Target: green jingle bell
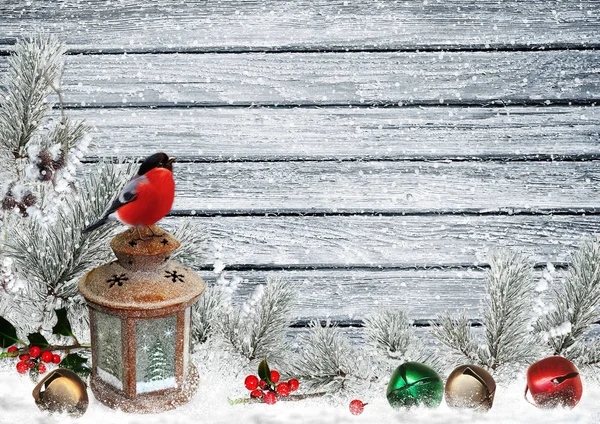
[[414, 384]]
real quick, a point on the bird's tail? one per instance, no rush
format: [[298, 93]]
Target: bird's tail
[[95, 225]]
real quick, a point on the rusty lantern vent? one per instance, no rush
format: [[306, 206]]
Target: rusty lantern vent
[[140, 321]]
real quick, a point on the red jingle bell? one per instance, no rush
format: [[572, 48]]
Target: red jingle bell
[[554, 381]]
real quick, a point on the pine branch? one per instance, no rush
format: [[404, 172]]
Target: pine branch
[[456, 334], [326, 361], [506, 316], [586, 354], [260, 330], [51, 255], [390, 332], [36, 62], [193, 243], [207, 313], [577, 303], [507, 311]]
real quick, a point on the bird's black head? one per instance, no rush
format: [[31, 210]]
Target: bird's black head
[[157, 160]]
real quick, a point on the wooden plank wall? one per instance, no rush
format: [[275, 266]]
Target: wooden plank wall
[[373, 152]]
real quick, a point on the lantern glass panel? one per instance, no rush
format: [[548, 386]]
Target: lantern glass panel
[[109, 349], [186, 340], [155, 354]]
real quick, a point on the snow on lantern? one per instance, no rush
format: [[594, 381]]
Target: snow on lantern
[[140, 322]]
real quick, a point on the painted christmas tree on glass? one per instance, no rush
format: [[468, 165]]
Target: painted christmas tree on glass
[[155, 361]]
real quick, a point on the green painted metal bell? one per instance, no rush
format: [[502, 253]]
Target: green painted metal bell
[[414, 384]]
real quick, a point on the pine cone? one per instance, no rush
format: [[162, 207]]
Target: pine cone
[[9, 202], [23, 210], [28, 199], [44, 159], [59, 163]]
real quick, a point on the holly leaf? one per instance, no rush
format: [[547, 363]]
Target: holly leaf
[[36, 339], [63, 326], [264, 372], [8, 334], [76, 363]]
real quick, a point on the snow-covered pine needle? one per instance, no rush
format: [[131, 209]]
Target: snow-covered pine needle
[[192, 252], [455, 333], [36, 65], [51, 256], [577, 307], [258, 330], [207, 313], [390, 332], [507, 338], [326, 360], [508, 310]]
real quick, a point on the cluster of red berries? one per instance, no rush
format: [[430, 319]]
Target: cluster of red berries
[[270, 391], [33, 359]]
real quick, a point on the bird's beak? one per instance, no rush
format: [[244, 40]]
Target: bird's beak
[[171, 160]]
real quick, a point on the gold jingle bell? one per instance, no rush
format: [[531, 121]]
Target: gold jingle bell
[[62, 391], [470, 387]]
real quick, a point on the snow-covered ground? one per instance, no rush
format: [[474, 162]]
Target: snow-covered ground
[[210, 406]]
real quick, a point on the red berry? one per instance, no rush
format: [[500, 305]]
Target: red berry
[[30, 363], [251, 382], [294, 384], [262, 384], [41, 368], [24, 357], [357, 407], [270, 398], [34, 351], [22, 367], [256, 393], [283, 389], [12, 349], [47, 356], [274, 376], [55, 359]]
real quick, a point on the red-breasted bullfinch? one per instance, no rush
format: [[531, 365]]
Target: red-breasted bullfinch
[[146, 198]]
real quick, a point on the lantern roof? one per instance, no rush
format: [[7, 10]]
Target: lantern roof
[[143, 277]]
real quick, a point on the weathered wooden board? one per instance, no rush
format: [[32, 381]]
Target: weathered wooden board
[[271, 187], [350, 295], [388, 241], [322, 79], [272, 134], [303, 24]]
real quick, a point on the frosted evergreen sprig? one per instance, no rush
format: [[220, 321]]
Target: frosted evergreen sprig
[[258, 330], [507, 338], [327, 361], [51, 256], [576, 308], [456, 334], [207, 313], [390, 332], [193, 243], [36, 65]]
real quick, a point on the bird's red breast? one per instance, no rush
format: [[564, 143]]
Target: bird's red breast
[[154, 199]]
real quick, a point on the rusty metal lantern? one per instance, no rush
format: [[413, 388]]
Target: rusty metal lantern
[[140, 322]]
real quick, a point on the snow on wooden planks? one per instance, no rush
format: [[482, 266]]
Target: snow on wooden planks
[[271, 134], [378, 242], [159, 25], [349, 295], [385, 187], [324, 79]]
